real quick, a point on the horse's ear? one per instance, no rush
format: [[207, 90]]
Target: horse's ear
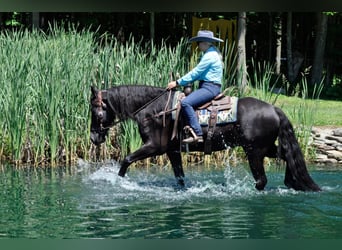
[[94, 91]]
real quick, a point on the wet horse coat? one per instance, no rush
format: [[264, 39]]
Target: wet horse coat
[[256, 129]]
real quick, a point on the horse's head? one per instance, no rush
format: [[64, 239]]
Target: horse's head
[[101, 117]]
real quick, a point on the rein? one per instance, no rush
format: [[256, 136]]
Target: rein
[[165, 108], [151, 101]]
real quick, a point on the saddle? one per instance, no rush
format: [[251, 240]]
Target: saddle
[[219, 103]]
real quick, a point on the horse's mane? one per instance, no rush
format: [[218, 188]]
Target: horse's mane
[[125, 100]]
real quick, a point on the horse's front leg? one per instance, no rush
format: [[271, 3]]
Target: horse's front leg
[[176, 162], [147, 150], [124, 166]]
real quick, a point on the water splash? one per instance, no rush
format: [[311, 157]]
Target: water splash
[[160, 185], [239, 181]]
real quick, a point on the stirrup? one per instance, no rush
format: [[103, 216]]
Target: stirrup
[[191, 138]]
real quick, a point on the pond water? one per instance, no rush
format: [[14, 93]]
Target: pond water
[[91, 201]]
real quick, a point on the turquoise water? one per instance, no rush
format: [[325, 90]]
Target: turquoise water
[[91, 201]]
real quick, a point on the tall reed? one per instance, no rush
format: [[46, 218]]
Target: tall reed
[[45, 79], [45, 93], [14, 100], [230, 64], [263, 79], [303, 116]]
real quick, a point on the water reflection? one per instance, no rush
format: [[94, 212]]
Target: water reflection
[[93, 202]]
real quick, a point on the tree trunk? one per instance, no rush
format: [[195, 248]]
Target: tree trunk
[[278, 24], [35, 20], [320, 40], [152, 26], [241, 55], [294, 58], [270, 35], [1, 22], [290, 72]]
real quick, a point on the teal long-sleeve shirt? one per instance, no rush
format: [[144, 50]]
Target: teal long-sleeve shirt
[[209, 69]]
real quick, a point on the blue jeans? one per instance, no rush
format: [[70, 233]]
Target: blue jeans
[[206, 92]]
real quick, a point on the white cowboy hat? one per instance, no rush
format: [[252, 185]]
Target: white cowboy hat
[[205, 36]]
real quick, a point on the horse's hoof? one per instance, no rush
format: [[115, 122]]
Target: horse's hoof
[[180, 182], [259, 185]]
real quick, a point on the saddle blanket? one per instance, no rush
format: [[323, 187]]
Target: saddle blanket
[[223, 116]]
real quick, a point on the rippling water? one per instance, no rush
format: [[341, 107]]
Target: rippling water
[[90, 201]]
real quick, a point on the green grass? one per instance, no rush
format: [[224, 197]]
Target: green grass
[[326, 112]]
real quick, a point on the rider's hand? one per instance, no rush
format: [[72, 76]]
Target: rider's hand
[[172, 85]]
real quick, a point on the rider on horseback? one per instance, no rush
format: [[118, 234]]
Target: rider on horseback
[[209, 72]]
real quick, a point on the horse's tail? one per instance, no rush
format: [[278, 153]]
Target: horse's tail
[[296, 176]]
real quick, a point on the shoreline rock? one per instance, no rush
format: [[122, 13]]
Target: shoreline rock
[[328, 144]]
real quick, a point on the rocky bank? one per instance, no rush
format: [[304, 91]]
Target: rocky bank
[[328, 144]]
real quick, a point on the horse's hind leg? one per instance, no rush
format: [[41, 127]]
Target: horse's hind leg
[[273, 152], [176, 162], [256, 163]]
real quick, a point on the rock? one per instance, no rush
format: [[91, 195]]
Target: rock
[[335, 138], [335, 154], [328, 145], [316, 132], [330, 161], [337, 132], [330, 142], [326, 161], [320, 157], [324, 147]]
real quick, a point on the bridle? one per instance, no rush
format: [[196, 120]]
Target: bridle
[[99, 103]]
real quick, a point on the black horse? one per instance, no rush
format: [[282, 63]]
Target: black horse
[[258, 126]]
